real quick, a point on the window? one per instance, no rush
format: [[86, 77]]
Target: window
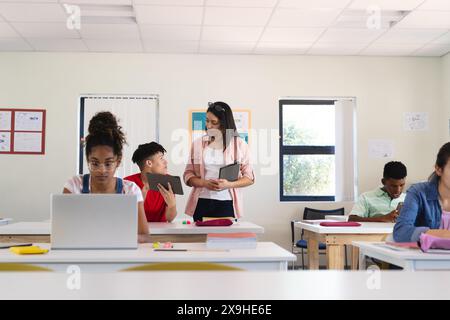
[[317, 150]]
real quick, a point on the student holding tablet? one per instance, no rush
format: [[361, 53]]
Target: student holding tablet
[[222, 146], [159, 206], [427, 204], [104, 145]]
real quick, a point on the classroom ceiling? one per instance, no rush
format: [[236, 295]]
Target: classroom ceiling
[[285, 27]]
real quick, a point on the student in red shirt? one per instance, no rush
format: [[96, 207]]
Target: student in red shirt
[[159, 206]]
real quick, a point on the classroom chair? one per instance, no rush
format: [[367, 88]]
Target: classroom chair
[[19, 267], [183, 266], [298, 247]]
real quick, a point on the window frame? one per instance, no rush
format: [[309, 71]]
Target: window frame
[[301, 150]]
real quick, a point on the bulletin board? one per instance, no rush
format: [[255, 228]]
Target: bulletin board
[[197, 123], [22, 131]]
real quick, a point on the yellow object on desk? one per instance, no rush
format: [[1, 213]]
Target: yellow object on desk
[[28, 250]]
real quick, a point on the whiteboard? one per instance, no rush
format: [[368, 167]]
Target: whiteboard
[[136, 114]]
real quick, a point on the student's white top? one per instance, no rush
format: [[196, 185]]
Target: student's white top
[[214, 160], [75, 186]]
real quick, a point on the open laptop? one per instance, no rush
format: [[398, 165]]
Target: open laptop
[[94, 221]]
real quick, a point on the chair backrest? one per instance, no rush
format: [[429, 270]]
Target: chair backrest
[[316, 214], [19, 267], [183, 266]]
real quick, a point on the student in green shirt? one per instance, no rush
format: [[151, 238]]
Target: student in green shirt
[[382, 204]]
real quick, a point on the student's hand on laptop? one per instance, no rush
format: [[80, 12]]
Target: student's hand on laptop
[[168, 195]]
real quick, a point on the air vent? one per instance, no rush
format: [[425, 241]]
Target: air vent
[[369, 19]]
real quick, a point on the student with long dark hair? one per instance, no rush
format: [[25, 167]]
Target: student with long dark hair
[[159, 206], [427, 204], [211, 196], [104, 145]]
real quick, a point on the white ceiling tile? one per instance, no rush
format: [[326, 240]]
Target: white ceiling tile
[[226, 47], [391, 49], [109, 31], [282, 48], [14, 45], [33, 12], [350, 35], [113, 45], [171, 2], [231, 33], [400, 36], [426, 19], [67, 45], [291, 34], [236, 16], [170, 46], [7, 32], [242, 3], [45, 30], [443, 5], [169, 15], [444, 39], [314, 4], [170, 33], [385, 4], [433, 50], [303, 18], [323, 48]]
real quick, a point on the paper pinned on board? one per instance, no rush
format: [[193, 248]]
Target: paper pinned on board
[[28, 121], [380, 149], [5, 141], [416, 121], [5, 120], [27, 142]]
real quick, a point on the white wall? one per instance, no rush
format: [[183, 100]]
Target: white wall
[[385, 88], [446, 96]]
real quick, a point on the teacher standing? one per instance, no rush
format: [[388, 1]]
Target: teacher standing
[[211, 196]]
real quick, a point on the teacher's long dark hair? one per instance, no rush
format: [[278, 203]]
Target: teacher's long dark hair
[[227, 124]]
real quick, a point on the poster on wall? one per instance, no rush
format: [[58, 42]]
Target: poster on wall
[[416, 121], [22, 131], [197, 123], [380, 149]]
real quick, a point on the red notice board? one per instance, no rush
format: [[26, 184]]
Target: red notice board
[[22, 131]]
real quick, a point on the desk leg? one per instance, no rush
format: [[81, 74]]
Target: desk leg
[[335, 256], [355, 257], [362, 261], [313, 250]]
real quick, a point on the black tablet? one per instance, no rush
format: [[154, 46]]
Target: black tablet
[[163, 179], [230, 172]]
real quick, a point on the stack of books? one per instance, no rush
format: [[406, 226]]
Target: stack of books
[[231, 240]]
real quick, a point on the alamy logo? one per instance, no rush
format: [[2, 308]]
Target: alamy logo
[[74, 279], [74, 19], [374, 20]]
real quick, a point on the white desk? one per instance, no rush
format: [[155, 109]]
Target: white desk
[[266, 256], [159, 231], [221, 286], [336, 238], [408, 259]]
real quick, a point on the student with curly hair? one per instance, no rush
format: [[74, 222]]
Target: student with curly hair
[[104, 145]]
